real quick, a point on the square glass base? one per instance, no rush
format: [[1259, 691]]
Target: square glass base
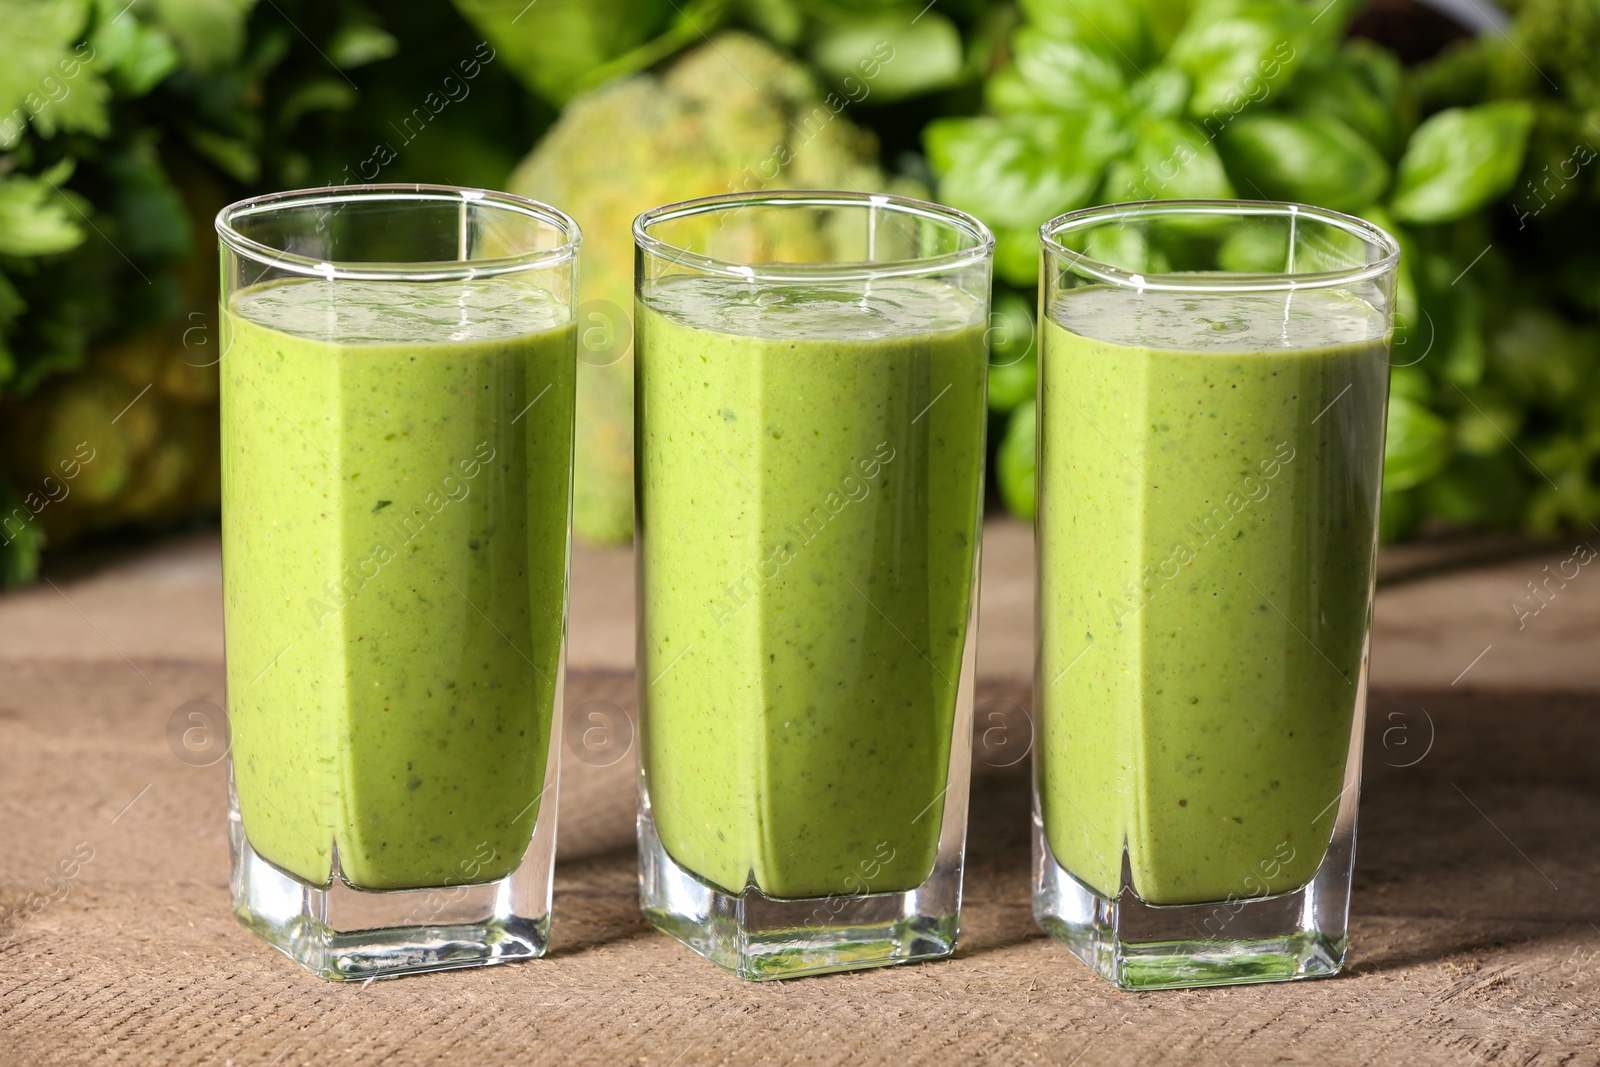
[[1136, 945], [348, 934], [760, 937]]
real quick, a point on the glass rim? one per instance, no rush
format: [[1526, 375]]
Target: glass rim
[[1221, 282], [859, 270], [421, 270]]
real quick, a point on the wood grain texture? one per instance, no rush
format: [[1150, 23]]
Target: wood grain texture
[[1476, 929]]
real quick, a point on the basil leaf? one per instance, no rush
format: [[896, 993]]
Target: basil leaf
[[358, 43], [1485, 426], [1238, 54], [1162, 93], [1115, 25], [209, 33], [552, 45], [34, 220], [1170, 161], [1353, 86], [1006, 93], [1417, 446], [1020, 170], [1461, 159], [926, 53], [1542, 358], [1314, 159], [1016, 255], [1069, 73]]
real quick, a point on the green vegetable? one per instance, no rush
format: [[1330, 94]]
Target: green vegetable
[[889, 56], [1360, 85], [1461, 159], [1311, 158], [1235, 53], [1170, 161], [1494, 198], [1015, 463], [1021, 170], [123, 129], [560, 47]]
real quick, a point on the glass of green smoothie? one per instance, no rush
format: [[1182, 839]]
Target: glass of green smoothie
[[1212, 390], [810, 383], [397, 420]]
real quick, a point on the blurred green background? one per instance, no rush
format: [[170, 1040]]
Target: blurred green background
[[124, 127]]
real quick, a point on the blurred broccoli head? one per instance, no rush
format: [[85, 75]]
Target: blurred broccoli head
[[733, 115]]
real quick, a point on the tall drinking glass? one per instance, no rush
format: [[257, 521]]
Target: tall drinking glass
[[1212, 392], [397, 397], [810, 427]]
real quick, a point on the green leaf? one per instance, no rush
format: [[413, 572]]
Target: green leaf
[[1162, 93], [1542, 358], [235, 157], [890, 56], [1312, 159], [1016, 463], [1127, 247], [1486, 425], [133, 57], [1170, 161], [1068, 73], [358, 43], [1467, 355], [1417, 447], [552, 45], [1260, 247], [1238, 55], [209, 33], [1360, 86], [151, 222], [316, 94], [1006, 93], [1461, 159], [1016, 255], [43, 79], [1118, 26], [36, 219], [781, 20], [1021, 170]]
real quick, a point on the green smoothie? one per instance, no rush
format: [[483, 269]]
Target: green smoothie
[[1209, 477], [396, 462], [810, 472]]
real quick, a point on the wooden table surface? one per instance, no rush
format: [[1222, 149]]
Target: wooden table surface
[[1475, 928]]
